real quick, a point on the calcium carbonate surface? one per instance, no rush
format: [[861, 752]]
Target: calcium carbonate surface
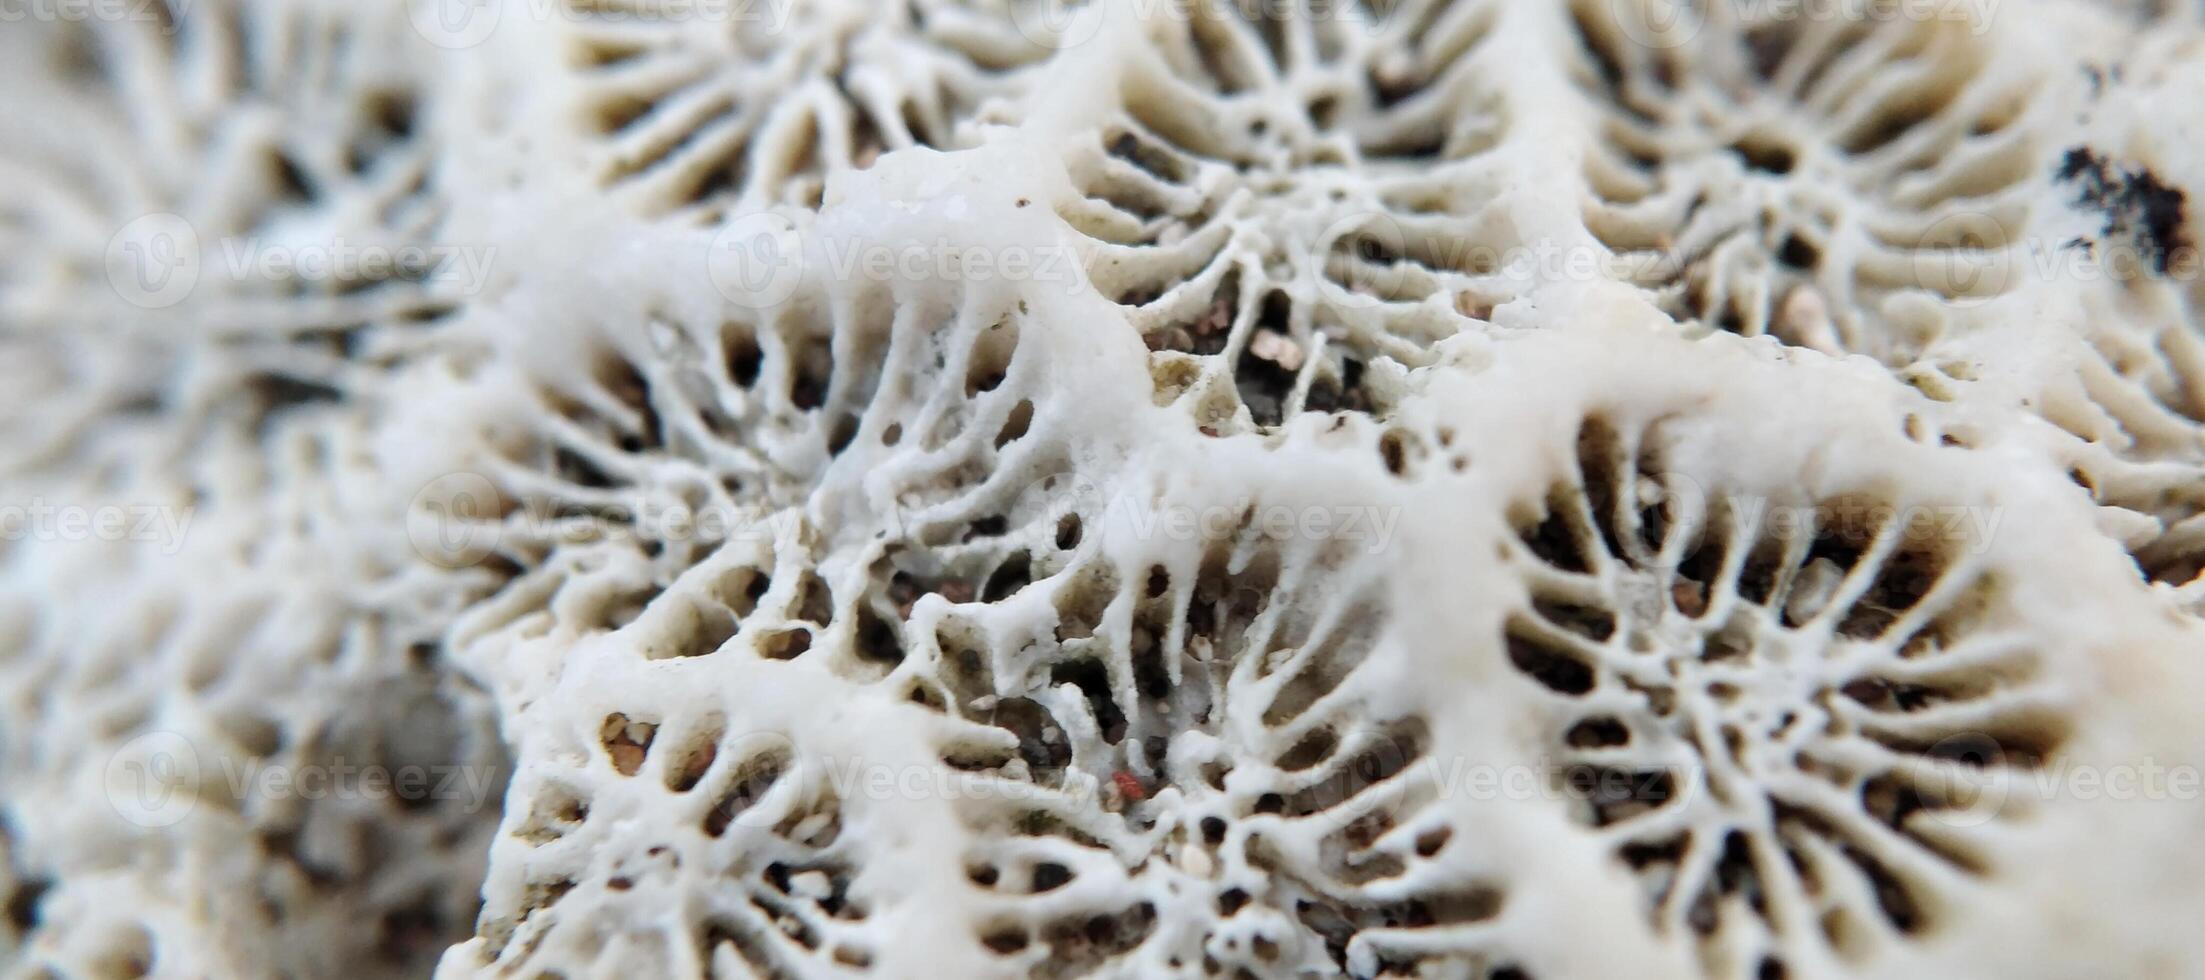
[[1145, 488]]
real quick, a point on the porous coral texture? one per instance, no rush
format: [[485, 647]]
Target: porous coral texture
[[1454, 488]]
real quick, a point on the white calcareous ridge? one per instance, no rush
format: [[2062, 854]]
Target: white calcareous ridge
[[1458, 488]]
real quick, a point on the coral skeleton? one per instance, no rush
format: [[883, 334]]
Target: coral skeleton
[[1227, 488]]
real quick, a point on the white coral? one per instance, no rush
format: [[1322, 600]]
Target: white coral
[[1211, 489]]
